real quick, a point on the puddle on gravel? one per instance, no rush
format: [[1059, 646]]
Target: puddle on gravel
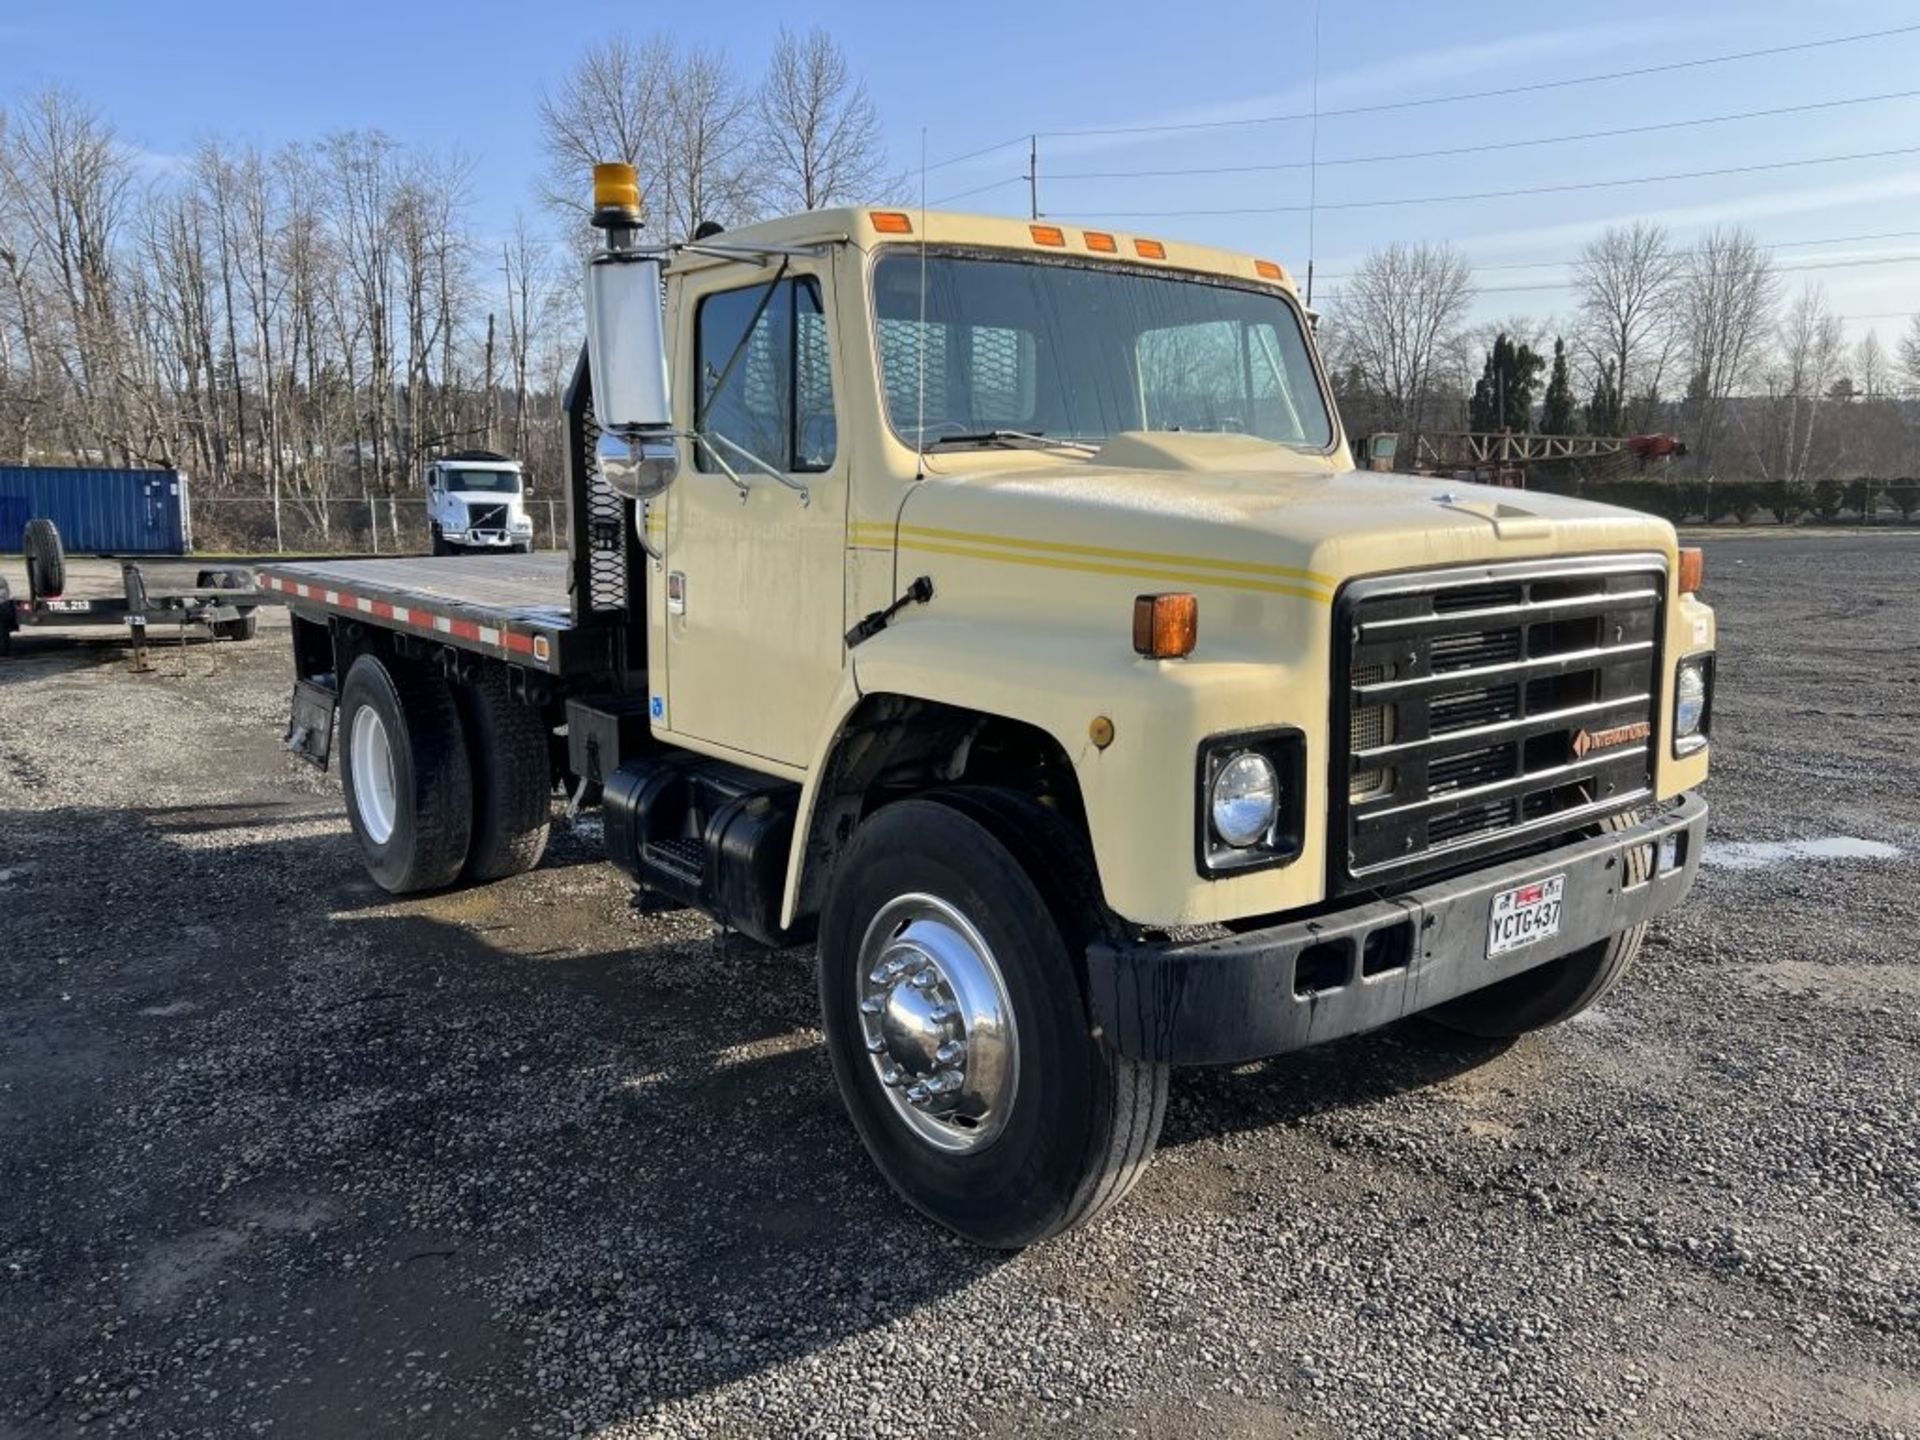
[[1761, 854]]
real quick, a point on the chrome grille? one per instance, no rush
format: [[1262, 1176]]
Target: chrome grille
[[1467, 695]]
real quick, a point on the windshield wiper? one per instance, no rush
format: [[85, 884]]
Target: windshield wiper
[[1017, 439]]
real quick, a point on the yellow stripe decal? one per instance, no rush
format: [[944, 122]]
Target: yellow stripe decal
[[913, 533], [1138, 572]]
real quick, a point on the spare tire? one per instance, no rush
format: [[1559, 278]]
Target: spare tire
[[46, 559]]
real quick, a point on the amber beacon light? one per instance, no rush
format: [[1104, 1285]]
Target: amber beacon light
[[1165, 627]]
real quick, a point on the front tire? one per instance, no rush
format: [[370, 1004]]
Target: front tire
[[955, 1018], [1555, 992], [405, 771]]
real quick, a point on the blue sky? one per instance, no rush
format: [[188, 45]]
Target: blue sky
[[467, 75]]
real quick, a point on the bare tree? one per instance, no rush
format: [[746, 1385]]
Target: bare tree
[[821, 142], [711, 171], [1910, 353], [1397, 321], [612, 106], [1727, 296], [1626, 281], [1870, 367], [1805, 362]]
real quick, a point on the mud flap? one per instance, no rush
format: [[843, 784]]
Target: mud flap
[[310, 729]]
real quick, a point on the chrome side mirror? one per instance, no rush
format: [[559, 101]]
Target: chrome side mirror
[[627, 347]]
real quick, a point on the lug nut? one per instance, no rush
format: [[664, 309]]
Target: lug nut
[[892, 1075], [872, 1005], [925, 979], [918, 1094], [875, 1044], [951, 1053]]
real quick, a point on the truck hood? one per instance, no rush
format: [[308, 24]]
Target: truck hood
[[1227, 514]]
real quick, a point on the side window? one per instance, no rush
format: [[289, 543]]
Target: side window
[[772, 394]]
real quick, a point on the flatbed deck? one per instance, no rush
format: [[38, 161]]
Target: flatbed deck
[[511, 606]]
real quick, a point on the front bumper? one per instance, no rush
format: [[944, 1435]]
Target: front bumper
[[488, 539], [1260, 993]]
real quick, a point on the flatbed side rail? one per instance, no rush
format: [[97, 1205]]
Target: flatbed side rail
[[556, 649]]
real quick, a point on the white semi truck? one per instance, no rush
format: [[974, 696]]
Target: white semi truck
[[476, 500]]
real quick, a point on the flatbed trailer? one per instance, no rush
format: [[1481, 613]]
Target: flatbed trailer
[[223, 600]]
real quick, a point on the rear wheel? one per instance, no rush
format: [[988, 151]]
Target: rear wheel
[[46, 559], [512, 781], [1560, 989], [405, 772], [955, 1019]]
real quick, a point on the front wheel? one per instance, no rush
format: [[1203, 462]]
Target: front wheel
[[959, 1035]]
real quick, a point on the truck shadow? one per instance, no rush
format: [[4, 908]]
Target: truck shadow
[[520, 1130]]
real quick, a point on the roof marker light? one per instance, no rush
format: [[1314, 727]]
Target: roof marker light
[[891, 222], [1150, 249], [1270, 271], [1047, 234], [1101, 241]]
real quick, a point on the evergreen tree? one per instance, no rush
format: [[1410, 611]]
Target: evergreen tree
[[1557, 409], [1503, 396], [1603, 410]]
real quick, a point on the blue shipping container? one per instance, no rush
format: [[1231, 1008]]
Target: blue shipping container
[[98, 511]]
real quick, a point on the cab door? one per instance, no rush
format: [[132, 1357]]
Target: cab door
[[754, 598]]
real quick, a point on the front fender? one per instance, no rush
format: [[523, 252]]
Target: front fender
[[1139, 791]]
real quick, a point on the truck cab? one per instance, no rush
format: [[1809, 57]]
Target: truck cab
[[996, 607], [476, 501]]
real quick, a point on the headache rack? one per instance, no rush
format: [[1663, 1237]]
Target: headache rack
[[1483, 709]]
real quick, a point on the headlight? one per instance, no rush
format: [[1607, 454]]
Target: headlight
[[523, 524], [1250, 801], [1244, 801], [1692, 702]]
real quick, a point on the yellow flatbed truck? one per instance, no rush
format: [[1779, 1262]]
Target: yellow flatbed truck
[[997, 606]]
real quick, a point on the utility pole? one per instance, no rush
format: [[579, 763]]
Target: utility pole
[[1033, 175]]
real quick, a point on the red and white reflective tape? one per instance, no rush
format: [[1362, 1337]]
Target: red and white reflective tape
[[511, 641]]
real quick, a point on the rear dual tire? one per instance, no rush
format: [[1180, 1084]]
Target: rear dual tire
[[443, 782], [986, 892], [406, 773]]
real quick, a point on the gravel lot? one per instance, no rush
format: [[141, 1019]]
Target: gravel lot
[[280, 1156]]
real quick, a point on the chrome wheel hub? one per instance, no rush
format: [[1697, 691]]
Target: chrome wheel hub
[[937, 1023]]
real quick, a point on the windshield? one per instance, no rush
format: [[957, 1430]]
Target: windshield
[[503, 482], [1077, 353]]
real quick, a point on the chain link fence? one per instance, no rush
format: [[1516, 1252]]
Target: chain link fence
[[376, 525]]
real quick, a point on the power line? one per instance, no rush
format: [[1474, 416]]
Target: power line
[[1778, 270], [1532, 87], [983, 150], [1483, 149], [980, 189], [1776, 245], [1527, 190]]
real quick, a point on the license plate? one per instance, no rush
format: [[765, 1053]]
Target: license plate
[[1525, 915], [69, 607]]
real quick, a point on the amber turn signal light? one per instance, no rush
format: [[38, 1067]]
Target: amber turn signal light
[[1693, 568], [1165, 627]]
